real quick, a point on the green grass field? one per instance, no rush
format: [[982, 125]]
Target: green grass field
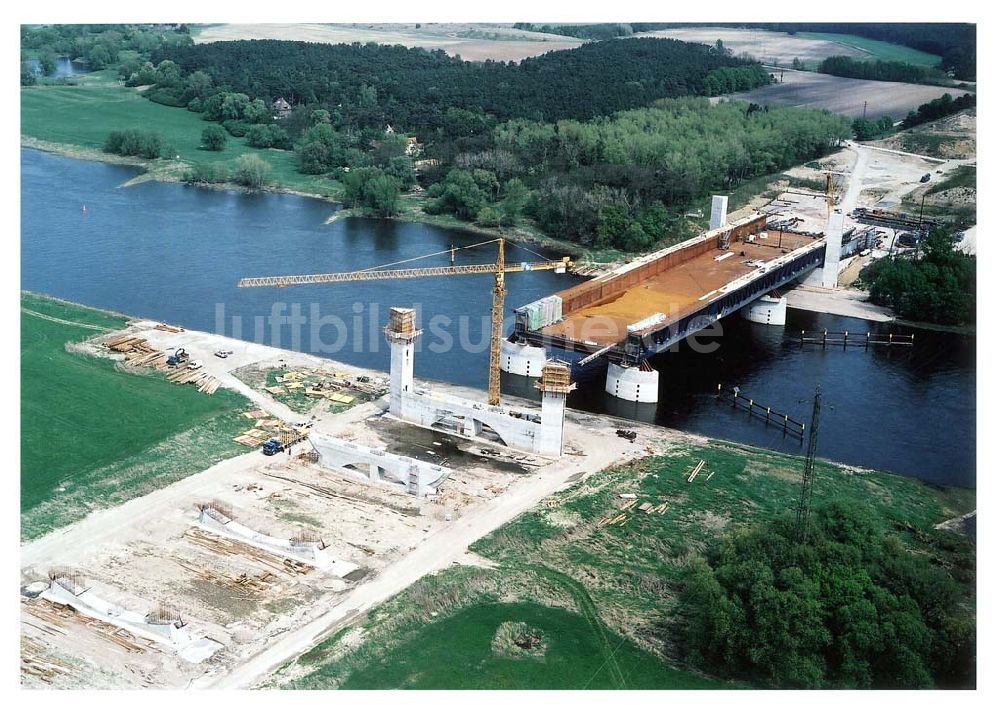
[[456, 653], [607, 595], [82, 116], [885, 51], [92, 436]]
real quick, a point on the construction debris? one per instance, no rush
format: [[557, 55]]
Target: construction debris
[[697, 469]]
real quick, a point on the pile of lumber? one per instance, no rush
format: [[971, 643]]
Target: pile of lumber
[[246, 586], [64, 615], [139, 353], [613, 521], [128, 343], [231, 547], [205, 382], [169, 329]]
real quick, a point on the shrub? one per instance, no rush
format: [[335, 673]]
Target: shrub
[[136, 143], [206, 174], [213, 138], [251, 171]]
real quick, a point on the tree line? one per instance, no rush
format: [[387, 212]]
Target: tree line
[[850, 605], [938, 285], [97, 45], [898, 71], [865, 129]]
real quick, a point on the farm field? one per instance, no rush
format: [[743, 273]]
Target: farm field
[[771, 48], [83, 115], [613, 552], [473, 42], [874, 49], [101, 445], [847, 96]]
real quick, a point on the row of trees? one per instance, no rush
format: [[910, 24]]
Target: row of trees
[[937, 286], [849, 606], [865, 129], [939, 108], [879, 70]]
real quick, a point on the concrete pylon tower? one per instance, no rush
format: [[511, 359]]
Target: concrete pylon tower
[[720, 206], [555, 386], [834, 244], [400, 333]]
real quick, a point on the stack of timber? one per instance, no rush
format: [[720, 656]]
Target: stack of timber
[[139, 353]]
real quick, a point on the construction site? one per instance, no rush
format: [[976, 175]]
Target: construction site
[[352, 484], [181, 586]]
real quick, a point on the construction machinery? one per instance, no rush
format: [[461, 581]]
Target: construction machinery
[[179, 357], [498, 269]]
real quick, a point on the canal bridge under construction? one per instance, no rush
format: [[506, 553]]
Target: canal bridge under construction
[[648, 305]]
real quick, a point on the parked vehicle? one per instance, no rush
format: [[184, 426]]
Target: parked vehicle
[[195, 365], [272, 446]]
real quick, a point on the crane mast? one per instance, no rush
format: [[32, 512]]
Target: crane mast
[[499, 294], [498, 269]]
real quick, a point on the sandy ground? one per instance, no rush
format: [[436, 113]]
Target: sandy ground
[[147, 552], [513, 45], [775, 48], [840, 302], [847, 96], [953, 137]]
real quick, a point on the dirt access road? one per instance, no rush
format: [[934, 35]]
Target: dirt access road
[[448, 545]]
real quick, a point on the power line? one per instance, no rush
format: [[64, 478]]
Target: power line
[[805, 496]]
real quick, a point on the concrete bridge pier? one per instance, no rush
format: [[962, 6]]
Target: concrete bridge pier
[[641, 384], [521, 359], [769, 310]]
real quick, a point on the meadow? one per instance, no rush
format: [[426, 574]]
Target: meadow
[[875, 49], [82, 115], [93, 436]]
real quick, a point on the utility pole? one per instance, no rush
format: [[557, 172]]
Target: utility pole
[[864, 111], [805, 496]]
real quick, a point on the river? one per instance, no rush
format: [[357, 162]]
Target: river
[[174, 253]]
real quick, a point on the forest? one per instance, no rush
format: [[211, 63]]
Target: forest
[[430, 93], [622, 181], [845, 604]]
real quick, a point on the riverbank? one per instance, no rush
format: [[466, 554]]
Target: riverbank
[[852, 303]]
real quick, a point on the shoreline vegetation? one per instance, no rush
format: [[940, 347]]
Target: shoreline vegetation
[[173, 172]]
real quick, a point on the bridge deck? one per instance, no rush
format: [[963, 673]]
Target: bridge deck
[[676, 292]]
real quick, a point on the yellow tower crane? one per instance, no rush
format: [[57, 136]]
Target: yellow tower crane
[[499, 270]]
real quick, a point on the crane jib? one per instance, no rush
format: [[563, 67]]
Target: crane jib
[[381, 274]]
